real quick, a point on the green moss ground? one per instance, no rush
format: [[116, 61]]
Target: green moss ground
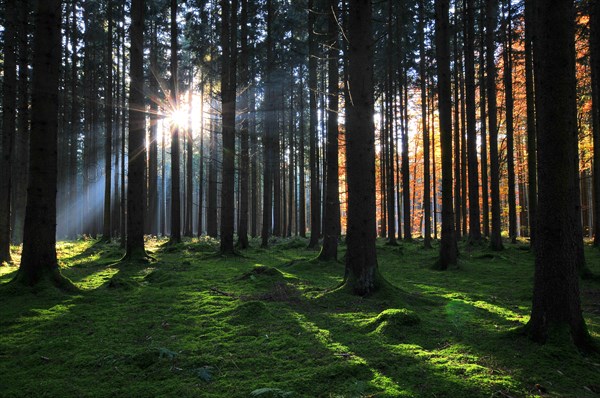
[[193, 324]]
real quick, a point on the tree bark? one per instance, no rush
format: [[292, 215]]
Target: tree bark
[[137, 138], [108, 113], [531, 123], [38, 261], [491, 21], [556, 304], [9, 104], [331, 232], [175, 149], [426, 142], [244, 138], [595, 66], [448, 247], [362, 274]]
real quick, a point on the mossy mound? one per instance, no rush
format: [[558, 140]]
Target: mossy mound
[[262, 271], [159, 277], [393, 322], [122, 283], [250, 311]]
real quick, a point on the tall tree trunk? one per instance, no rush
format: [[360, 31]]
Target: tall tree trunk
[[244, 139], [531, 123], [228, 88], [21, 158], [473, 166], [448, 248], [315, 202], [331, 231], [108, 138], [426, 142], [457, 141], [491, 21], [301, 164], [254, 174], [175, 149], [9, 104], [556, 304], [270, 125], [508, 94], [201, 161], [189, 176], [362, 274], [38, 260], [595, 66], [483, 120], [153, 147], [137, 138]]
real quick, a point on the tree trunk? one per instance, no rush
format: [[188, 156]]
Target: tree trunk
[[9, 104], [38, 261], [108, 138], [473, 166], [483, 120], [244, 139], [595, 66], [228, 88], [531, 123], [362, 274], [137, 142], [556, 304], [509, 100], [151, 221], [175, 150], [301, 165], [491, 21], [331, 232], [426, 142], [315, 203], [448, 248], [457, 141]]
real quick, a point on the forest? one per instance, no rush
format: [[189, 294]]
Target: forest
[[310, 198]]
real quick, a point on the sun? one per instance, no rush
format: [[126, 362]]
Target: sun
[[179, 118]]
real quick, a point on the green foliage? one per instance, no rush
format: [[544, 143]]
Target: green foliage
[[191, 325]]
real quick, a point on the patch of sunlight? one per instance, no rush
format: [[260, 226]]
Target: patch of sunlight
[[69, 249], [324, 337], [96, 279], [46, 314], [454, 309]]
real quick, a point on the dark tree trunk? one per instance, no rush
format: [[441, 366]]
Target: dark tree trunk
[[108, 138], [21, 154], [509, 100], [9, 103], [175, 147], [151, 221], [473, 166], [254, 203], [244, 139], [137, 138], [362, 274], [38, 261], [426, 142], [448, 248], [595, 66], [556, 303], [315, 202], [331, 232], [457, 141], [270, 126], [211, 206], [189, 171], [483, 120], [531, 123], [491, 21], [228, 88], [301, 165], [201, 161]]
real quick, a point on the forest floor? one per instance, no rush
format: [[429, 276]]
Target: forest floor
[[267, 324]]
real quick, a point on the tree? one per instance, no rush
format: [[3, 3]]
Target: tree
[[531, 127], [426, 142], [331, 232], [108, 111], [491, 21], [473, 179], [595, 64], [448, 248], [175, 150], [228, 87], [9, 94], [244, 138], [137, 142], [315, 207], [38, 261], [556, 303], [362, 274]]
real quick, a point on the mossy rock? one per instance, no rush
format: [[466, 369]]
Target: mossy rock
[[394, 322], [250, 311]]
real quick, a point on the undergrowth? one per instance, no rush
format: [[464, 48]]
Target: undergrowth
[[269, 323]]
